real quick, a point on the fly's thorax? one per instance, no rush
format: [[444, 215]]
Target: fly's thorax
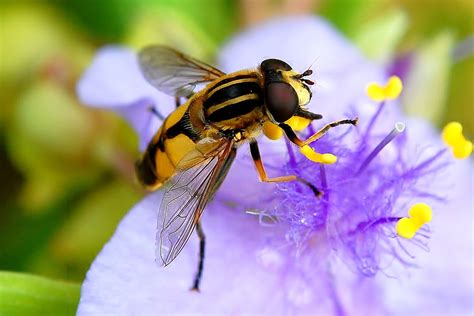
[[253, 131], [235, 101]]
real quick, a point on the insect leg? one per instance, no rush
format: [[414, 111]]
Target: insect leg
[[202, 246], [199, 230], [177, 101], [294, 138], [308, 115], [153, 110], [225, 169], [263, 174]]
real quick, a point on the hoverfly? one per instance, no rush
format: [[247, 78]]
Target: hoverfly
[[196, 144]]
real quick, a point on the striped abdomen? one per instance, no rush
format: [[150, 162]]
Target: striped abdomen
[[173, 140], [233, 101]]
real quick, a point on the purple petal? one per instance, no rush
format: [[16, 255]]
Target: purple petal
[[114, 81], [243, 274]]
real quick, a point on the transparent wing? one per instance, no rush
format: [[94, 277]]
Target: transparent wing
[[187, 195], [173, 72]]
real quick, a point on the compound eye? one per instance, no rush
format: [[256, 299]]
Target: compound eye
[[274, 64], [281, 100]]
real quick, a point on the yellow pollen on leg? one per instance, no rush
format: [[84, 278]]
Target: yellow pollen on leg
[[298, 123], [309, 153], [453, 137], [272, 131], [390, 91], [419, 214]]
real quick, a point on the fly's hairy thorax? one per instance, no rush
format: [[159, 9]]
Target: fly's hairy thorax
[[235, 102], [231, 105]]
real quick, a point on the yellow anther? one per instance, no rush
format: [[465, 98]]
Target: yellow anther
[[390, 91], [406, 228], [463, 151], [393, 88], [452, 133], [454, 138], [272, 131], [298, 123], [419, 214], [375, 92], [309, 153]]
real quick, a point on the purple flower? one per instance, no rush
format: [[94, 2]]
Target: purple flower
[[276, 248], [114, 82]]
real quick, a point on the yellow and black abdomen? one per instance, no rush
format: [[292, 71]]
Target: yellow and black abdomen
[[173, 140], [232, 102]]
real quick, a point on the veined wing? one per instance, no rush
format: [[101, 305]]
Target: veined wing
[[187, 195], [173, 72]]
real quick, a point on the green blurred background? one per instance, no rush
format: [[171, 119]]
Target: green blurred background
[[66, 169]]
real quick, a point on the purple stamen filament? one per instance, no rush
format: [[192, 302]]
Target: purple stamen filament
[[322, 171], [361, 227], [373, 119], [399, 128]]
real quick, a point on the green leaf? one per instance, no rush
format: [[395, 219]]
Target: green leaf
[[427, 85], [24, 294], [379, 38]]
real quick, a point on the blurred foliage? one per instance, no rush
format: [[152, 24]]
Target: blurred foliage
[[102, 20], [460, 104], [68, 169], [380, 37], [428, 81]]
